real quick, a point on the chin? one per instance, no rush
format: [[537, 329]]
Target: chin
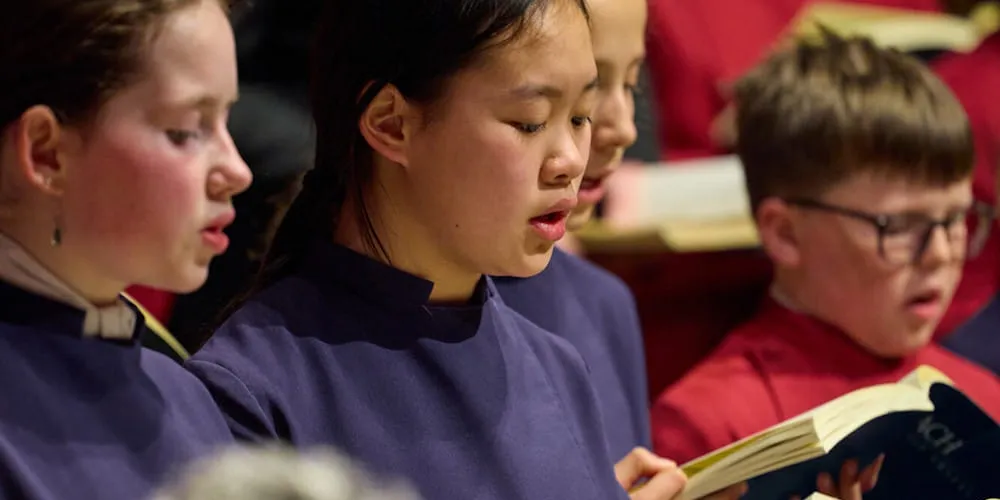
[[914, 341], [183, 281], [529, 265], [579, 217]]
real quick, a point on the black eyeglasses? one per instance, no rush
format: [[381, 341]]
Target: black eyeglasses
[[903, 238]]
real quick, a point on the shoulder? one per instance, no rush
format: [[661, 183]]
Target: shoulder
[[729, 369], [976, 382], [591, 278], [977, 339], [966, 374], [568, 289], [604, 296], [276, 315], [724, 398], [549, 346], [262, 334], [185, 390]]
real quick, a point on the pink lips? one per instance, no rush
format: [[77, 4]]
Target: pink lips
[[926, 306], [592, 191], [551, 225], [214, 236]]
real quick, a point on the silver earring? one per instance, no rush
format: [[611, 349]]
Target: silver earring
[[56, 236], [56, 239]]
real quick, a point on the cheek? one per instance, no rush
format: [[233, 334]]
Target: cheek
[[490, 176], [131, 192], [845, 271]]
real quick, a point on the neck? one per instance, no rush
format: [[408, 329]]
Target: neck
[[786, 291], [408, 247], [61, 261]]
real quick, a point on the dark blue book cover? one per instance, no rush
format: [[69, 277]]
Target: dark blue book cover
[[950, 454]]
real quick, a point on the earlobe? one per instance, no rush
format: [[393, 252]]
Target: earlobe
[[385, 125], [777, 229], [36, 140]]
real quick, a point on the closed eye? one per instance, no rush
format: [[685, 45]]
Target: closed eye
[[181, 137], [528, 128], [580, 121]]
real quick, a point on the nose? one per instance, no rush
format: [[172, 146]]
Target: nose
[[230, 175], [614, 121], [568, 159]]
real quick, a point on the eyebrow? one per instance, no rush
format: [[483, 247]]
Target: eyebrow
[[206, 102], [532, 91], [607, 64]]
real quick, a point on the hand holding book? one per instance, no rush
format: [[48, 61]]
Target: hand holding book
[[664, 480], [649, 477], [939, 444], [852, 483]]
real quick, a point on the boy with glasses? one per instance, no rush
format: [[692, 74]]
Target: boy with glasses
[[858, 166]]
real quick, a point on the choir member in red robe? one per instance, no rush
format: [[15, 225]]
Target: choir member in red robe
[[858, 165]]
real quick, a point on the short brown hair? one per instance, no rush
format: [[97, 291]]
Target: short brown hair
[[72, 55], [814, 114]]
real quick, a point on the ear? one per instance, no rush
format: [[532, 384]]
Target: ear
[[778, 229], [36, 138], [387, 125]]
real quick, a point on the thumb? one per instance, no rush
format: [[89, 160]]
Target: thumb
[[666, 484], [640, 464]]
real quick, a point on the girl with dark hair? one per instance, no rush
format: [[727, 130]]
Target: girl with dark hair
[[116, 168], [451, 139]]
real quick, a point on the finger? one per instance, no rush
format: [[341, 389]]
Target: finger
[[824, 484], [849, 485], [639, 464], [869, 476], [666, 484], [733, 492]]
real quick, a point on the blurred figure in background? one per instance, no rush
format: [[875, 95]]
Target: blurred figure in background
[[697, 50], [280, 473], [573, 298]]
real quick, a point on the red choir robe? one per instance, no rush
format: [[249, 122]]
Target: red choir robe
[[157, 302], [697, 46], [779, 365]]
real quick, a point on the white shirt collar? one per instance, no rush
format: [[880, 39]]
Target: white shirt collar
[[783, 300], [19, 268]]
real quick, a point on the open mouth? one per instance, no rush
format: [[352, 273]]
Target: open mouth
[[550, 226], [926, 298], [550, 218], [927, 305], [215, 238], [588, 184]]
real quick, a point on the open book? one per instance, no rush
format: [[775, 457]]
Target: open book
[[906, 30], [938, 444], [683, 206]]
